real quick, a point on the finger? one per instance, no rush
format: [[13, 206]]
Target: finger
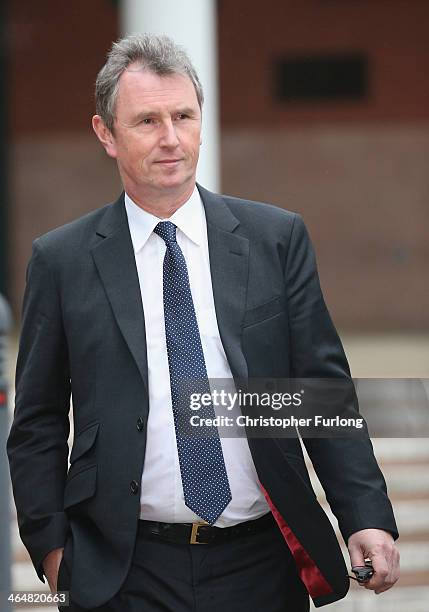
[[357, 557], [57, 574], [381, 573], [386, 588], [388, 585], [393, 576], [391, 560]]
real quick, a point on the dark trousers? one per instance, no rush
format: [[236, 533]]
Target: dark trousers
[[253, 573]]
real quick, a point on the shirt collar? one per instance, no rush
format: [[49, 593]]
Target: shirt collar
[[189, 218]]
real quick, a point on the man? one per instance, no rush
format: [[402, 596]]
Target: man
[[173, 283]]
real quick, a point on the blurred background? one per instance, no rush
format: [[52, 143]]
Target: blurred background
[[318, 106]]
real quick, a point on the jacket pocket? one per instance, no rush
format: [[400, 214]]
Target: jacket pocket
[[264, 311], [80, 486], [83, 442]]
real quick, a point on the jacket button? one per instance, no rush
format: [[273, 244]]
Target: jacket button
[[140, 424], [134, 487]]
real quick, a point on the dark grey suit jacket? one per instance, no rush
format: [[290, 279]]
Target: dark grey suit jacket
[[83, 332]]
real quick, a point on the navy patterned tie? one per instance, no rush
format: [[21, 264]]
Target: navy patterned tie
[[204, 478]]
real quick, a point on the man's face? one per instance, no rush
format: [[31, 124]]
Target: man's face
[[156, 134]]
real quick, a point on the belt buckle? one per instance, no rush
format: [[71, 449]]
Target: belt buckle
[[194, 532]]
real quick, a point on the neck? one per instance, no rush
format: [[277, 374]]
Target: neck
[[162, 206]]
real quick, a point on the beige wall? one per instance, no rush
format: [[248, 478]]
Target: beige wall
[[54, 180]]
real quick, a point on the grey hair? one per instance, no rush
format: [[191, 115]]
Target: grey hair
[[157, 54]]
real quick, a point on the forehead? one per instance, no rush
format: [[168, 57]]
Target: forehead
[[138, 86]]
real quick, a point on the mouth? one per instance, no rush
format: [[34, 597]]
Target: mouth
[[168, 162]]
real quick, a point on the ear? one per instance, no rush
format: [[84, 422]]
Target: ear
[[104, 135]]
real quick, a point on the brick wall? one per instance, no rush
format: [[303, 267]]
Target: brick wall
[[357, 171]]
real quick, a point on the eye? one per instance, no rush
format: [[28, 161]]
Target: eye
[[181, 116], [147, 121]]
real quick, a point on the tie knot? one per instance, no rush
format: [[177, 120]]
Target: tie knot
[[167, 231]]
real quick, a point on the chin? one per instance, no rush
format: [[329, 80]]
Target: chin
[[175, 182]]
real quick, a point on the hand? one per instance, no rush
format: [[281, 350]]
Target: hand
[[377, 545], [51, 565]]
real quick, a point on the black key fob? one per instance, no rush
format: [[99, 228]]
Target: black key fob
[[363, 573]]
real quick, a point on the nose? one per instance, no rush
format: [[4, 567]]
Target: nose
[[169, 136]]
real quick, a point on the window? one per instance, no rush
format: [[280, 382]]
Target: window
[[321, 78]]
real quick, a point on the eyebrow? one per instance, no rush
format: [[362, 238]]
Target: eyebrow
[[152, 113]]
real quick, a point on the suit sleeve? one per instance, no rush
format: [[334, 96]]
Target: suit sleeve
[[37, 445], [346, 467]]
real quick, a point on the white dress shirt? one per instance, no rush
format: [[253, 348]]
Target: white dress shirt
[[161, 487]]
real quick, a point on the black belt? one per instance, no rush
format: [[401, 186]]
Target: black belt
[[203, 533]]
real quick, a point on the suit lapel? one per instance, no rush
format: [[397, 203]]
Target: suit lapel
[[229, 261], [114, 258]]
